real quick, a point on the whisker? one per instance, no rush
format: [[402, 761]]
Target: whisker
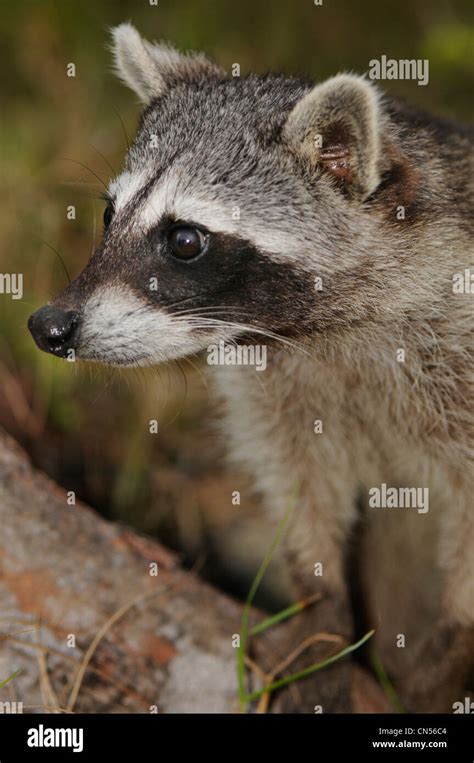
[[210, 308], [103, 157], [176, 364], [84, 166], [123, 128], [94, 231], [57, 255], [182, 301], [198, 371], [209, 323]]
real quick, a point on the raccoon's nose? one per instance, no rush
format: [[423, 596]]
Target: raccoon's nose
[[54, 330]]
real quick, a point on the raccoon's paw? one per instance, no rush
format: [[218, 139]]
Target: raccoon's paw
[[443, 665], [343, 688], [291, 648], [330, 691]]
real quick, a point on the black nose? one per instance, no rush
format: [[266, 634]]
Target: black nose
[[54, 330]]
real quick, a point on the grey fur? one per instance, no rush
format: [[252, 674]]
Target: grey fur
[[331, 212]]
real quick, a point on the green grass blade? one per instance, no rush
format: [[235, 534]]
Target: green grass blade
[[284, 614], [308, 671], [241, 651], [385, 682], [10, 678]]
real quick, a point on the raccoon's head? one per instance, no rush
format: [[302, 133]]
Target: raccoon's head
[[237, 195]]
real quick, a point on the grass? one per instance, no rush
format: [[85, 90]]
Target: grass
[[284, 614], [279, 617], [385, 682], [309, 670], [248, 603], [10, 678]]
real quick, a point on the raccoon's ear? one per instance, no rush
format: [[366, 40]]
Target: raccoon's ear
[[336, 127], [150, 69]]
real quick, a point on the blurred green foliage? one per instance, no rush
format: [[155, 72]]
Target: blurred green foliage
[[89, 428]]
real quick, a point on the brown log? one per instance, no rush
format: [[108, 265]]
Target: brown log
[[66, 574], [88, 626]]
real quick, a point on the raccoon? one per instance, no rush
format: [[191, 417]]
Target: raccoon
[[333, 225]]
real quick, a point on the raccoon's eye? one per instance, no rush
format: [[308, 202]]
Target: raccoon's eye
[[186, 242], [108, 214]]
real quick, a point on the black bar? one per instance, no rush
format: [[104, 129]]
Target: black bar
[[315, 737]]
